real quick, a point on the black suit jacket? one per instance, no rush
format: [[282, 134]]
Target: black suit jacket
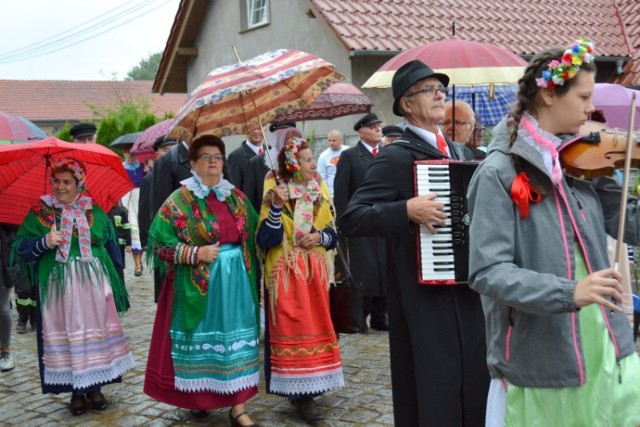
[[367, 257], [237, 163], [254, 180], [437, 338], [145, 216], [169, 170]]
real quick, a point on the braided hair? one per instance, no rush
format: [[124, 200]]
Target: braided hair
[[527, 100]]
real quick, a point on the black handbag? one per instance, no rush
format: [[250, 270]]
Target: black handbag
[[11, 274], [345, 301]]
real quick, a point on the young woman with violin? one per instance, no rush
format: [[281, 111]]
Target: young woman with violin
[[559, 349]]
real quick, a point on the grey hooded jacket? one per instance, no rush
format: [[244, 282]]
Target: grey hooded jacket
[[523, 266]]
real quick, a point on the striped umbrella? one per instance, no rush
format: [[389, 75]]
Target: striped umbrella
[[17, 128], [235, 98]]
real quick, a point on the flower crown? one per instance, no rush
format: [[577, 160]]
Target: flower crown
[[291, 153], [558, 72], [77, 168]]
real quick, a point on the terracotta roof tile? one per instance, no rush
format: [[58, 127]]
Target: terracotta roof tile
[[522, 26], [61, 100]]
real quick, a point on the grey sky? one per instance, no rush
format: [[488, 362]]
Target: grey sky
[[39, 32]]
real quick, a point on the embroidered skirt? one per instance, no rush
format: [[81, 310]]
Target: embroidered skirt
[[82, 341], [218, 365], [303, 354]]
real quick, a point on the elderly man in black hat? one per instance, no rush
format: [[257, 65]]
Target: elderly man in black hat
[[390, 133], [83, 133], [437, 338], [367, 257]]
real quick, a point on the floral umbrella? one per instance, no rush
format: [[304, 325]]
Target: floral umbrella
[[25, 169], [144, 142], [340, 99], [235, 98]]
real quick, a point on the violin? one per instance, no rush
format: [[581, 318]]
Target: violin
[[598, 152]]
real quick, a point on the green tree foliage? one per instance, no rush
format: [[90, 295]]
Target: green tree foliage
[[108, 131], [64, 134], [146, 69], [146, 121]]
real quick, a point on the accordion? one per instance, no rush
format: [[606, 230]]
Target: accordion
[[443, 258]]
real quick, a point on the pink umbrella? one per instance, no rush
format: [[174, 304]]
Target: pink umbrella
[[614, 102], [144, 142], [17, 128]]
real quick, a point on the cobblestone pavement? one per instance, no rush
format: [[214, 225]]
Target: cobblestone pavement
[[365, 400]]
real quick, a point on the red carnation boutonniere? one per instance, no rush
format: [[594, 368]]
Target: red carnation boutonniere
[[522, 193]]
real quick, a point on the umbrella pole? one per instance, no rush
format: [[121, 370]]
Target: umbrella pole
[[453, 113], [264, 135]]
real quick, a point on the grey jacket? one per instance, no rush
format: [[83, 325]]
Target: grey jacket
[[523, 266]]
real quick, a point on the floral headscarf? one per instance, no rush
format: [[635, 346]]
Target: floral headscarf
[[77, 169]]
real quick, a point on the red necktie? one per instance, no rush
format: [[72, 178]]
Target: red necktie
[[442, 144], [259, 150], [375, 151]]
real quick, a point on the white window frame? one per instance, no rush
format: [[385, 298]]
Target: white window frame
[[260, 9]]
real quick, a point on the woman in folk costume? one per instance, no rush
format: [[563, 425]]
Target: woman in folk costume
[[560, 349], [136, 172], [302, 357], [204, 351], [67, 243]]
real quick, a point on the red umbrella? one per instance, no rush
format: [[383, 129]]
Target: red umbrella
[[339, 99], [144, 142], [466, 63], [24, 174], [17, 128]]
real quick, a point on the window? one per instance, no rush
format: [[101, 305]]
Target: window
[[257, 13]]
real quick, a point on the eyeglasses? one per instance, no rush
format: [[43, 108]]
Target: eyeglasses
[[458, 123], [209, 157], [431, 90]]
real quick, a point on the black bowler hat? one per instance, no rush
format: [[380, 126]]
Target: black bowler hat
[[369, 119], [392, 130], [407, 75], [163, 142], [277, 126], [82, 129]]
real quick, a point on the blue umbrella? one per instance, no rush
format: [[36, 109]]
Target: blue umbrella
[[491, 109]]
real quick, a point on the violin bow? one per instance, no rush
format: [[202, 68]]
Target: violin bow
[[620, 255]]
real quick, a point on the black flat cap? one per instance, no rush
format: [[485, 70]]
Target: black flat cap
[[369, 119], [277, 126], [392, 130], [82, 129], [407, 75], [161, 141]]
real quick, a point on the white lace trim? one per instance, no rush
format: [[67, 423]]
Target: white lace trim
[[218, 348], [90, 377], [218, 386], [195, 185], [318, 383], [547, 156]]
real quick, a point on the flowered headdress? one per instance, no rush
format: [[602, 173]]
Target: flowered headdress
[[77, 168], [292, 153], [558, 72]]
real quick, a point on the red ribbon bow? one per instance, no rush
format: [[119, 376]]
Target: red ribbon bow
[[522, 193]]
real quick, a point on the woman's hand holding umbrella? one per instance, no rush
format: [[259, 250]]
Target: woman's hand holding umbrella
[[281, 195]]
